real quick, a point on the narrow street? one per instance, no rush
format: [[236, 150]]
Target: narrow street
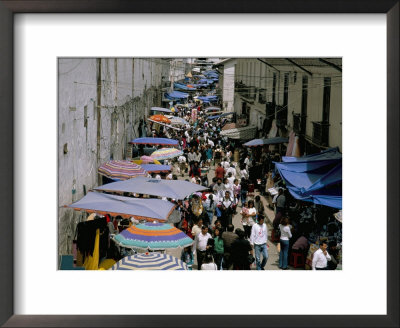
[[273, 255]]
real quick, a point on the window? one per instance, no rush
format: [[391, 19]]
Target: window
[[326, 100]]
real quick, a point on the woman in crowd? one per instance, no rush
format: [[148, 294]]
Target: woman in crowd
[[284, 243], [209, 206], [236, 190], [218, 248]]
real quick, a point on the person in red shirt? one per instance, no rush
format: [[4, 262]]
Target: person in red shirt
[[219, 172]]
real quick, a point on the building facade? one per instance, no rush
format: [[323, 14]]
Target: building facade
[[102, 105], [278, 95]]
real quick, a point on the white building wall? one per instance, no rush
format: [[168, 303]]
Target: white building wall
[[128, 88], [228, 86]]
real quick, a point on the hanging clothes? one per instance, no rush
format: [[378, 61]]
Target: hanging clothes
[[92, 261]]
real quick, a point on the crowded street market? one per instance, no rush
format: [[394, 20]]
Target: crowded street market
[[198, 190]]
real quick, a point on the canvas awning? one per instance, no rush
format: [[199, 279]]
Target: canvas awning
[[244, 133]]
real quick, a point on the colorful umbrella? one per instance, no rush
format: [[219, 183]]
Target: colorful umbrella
[[159, 118], [165, 153], [153, 236], [145, 160], [121, 170], [150, 261]]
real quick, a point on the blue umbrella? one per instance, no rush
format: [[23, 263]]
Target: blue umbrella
[[175, 189], [154, 141], [140, 208]]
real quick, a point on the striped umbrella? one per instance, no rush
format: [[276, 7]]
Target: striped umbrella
[[150, 261], [121, 170], [153, 236], [165, 153]]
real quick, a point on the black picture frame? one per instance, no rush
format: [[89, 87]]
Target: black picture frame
[[9, 8]]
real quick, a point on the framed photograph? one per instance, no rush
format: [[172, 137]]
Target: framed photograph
[[39, 40]]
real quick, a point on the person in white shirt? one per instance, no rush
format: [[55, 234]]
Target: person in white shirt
[[208, 264], [247, 162], [197, 228], [182, 163], [286, 234], [211, 143], [230, 178], [321, 257], [225, 164], [232, 170], [258, 239], [244, 173], [200, 245]]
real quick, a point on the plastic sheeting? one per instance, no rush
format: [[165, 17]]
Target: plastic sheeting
[[314, 180], [176, 95], [331, 153]]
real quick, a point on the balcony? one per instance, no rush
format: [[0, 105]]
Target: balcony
[[321, 133], [299, 123]]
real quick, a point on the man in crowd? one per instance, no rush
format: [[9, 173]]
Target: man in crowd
[[258, 239], [321, 257], [228, 237], [200, 245]]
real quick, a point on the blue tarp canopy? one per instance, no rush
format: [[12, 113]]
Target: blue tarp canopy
[[331, 153], [208, 98], [154, 141], [205, 81], [101, 203], [156, 168], [269, 141], [160, 109], [183, 87], [314, 180], [176, 95], [175, 189], [217, 116]]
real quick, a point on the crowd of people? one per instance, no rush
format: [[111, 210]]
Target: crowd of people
[[230, 173]]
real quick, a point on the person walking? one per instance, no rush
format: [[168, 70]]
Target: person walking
[[228, 237], [200, 245], [258, 239], [218, 248], [286, 234], [240, 251]]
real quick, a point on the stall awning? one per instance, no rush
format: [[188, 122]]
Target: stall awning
[[218, 116], [160, 109], [269, 141], [176, 95], [244, 133], [316, 181], [331, 153]]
